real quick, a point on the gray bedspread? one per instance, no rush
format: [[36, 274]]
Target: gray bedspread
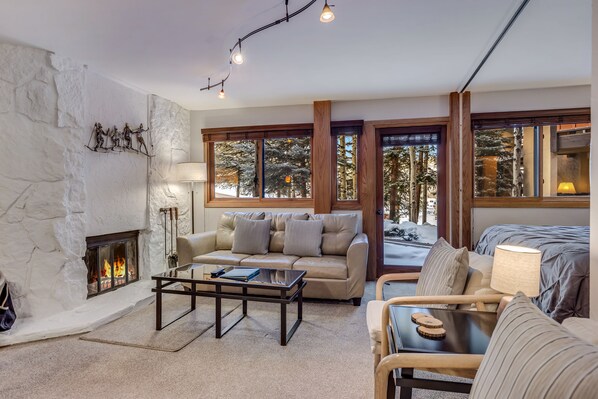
[[564, 286]]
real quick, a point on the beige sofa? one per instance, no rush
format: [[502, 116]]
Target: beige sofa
[[338, 274]]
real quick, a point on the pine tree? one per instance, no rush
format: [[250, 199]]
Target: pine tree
[[494, 147]]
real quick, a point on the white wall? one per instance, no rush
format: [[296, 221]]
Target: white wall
[[531, 99], [594, 171], [393, 108], [116, 182]]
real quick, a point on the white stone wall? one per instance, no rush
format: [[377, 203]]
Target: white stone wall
[[170, 141], [54, 192], [42, 189]]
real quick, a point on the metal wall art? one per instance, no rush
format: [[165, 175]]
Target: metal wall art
[[114, 140]]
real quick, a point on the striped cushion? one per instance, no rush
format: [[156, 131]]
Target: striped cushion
[[532, 356], [444, 272]]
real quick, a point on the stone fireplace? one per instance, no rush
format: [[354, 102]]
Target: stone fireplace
[[112, 261]]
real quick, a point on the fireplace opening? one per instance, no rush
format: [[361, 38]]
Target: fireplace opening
[[112, 261]]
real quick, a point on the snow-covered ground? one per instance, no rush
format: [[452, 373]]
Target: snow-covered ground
[[407, 243]]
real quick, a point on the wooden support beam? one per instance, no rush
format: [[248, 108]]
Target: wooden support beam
[[321, 152], [466, 170], [367, 188], [454, 203]]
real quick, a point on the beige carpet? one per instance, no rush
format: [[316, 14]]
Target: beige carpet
[[137, 329], [328, 357]]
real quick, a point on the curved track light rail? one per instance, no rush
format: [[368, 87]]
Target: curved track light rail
[[286, 18]]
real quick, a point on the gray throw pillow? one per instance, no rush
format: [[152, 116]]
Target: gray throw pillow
[[303, 238], [444, 272], [532, 356], [251, 237]]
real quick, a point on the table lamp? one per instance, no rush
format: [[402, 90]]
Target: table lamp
[[515, 269], [192, 172], [566, 188]]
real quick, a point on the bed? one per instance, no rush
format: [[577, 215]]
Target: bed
[[564, 282]]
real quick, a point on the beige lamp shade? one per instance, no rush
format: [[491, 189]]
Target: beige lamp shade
[[191, 172], [566, 187], [516, 269]]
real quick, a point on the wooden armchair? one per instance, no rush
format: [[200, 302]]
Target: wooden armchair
[[378, 310]]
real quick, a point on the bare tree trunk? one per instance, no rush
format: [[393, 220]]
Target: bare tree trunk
[[341, 155], [412, 186], [354, 163], [425, 187], [518, 162], [393, 197], [238, 183]]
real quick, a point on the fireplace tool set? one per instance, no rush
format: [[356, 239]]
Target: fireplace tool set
[[171, 255]]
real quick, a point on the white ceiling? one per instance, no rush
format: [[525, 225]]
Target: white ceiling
[[374, 49]]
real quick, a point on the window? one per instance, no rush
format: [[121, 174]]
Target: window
[[287, 168], [535, 154], [235, 169], [262, 164], [345, 159]]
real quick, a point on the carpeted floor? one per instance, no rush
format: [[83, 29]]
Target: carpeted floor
[[328, 357]]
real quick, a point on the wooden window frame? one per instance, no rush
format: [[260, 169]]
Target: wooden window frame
[[348, 205], [529, 118], [258, 134]]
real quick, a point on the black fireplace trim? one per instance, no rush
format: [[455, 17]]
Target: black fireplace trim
[[113, 238]]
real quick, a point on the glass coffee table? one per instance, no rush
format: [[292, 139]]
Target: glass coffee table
[[467, 332], [282, 286]]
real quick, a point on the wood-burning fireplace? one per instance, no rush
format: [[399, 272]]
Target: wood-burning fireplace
[[112, 261]]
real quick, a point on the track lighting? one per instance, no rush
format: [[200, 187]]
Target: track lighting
[[237, 55], [221, 93], [327, 14]]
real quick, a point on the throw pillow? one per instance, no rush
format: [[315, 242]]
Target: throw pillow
[[303, 238], [532, 356], [444, 272], [251, 237]]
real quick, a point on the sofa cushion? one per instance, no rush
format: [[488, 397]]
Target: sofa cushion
[[339, 231], [328, 266], [444, 272], [303, 238], [277, 228], [220, 257], [226, 227], [532, 356], [478, 279], [270, 261], [374, 322], [251, 237]]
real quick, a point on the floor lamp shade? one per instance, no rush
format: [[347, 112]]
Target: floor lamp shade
[[191, 172], [516, 269]]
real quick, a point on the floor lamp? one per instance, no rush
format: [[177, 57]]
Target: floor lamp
[[192, 172]]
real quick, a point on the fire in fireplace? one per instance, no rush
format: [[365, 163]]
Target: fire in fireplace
[[111, 261]]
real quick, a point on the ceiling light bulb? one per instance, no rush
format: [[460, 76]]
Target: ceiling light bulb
[[327, 14], [238, 58], [221, 94]]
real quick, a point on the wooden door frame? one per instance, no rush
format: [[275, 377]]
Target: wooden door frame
[[369, 182]]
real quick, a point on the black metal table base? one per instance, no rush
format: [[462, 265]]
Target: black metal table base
[[218, 295]]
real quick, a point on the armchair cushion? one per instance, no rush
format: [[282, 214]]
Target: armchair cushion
[[532, 356], [444, 272], [374, 322]]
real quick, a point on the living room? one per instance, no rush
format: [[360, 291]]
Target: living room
[[348, 144]]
